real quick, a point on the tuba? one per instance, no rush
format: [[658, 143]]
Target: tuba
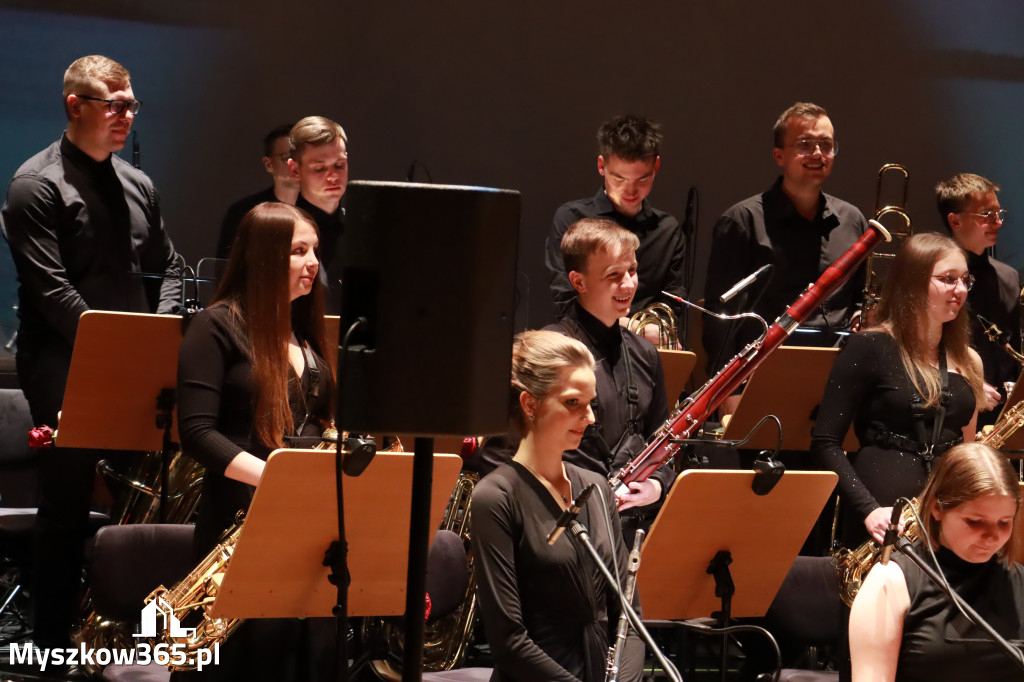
[[446, 639], [880, 260], [661, 316]]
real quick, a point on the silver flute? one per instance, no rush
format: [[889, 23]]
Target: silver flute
[[615, 650]]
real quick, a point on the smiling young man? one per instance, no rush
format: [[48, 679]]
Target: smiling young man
[[971, 212], [795, 227], [276, 152], [83, 227], [319, 161], [628, 160]]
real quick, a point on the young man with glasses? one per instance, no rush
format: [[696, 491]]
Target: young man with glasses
[[793, 226], [285, 189], [83, 227], [628, 159], [971, 212]]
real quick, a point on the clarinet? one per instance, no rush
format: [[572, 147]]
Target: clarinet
[[615, 650], [699, 406]]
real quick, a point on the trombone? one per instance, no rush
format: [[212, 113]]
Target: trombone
[[880, 260]]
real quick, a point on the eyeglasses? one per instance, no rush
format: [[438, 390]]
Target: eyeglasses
[[806, 146], [990, 216], [952, 280], [117, 106]]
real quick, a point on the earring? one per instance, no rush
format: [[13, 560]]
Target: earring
[[533, 417]]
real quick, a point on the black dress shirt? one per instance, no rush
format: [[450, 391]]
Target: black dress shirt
[[994, 297], [83, 235], [767, 228], [330, 226], [660, 257], [233, 217]]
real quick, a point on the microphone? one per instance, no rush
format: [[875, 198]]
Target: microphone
[[747, 281], [569, 515], [893, 531]]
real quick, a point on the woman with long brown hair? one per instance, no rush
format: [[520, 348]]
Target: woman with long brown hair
[[903, 626], [252, 371], [908, 384]]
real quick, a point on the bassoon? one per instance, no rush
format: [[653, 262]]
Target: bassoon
[[699, 406]]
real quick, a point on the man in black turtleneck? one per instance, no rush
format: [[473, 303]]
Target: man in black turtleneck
[[319, 161], [971, 212], [601, 265]]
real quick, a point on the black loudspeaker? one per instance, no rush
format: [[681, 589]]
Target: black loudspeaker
[[432, 270]]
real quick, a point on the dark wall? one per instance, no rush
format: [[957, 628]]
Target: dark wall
[[510, 96]]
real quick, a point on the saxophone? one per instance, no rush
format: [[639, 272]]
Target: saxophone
[[853, 565]]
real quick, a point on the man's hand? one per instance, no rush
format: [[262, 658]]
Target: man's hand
[[640, 494]]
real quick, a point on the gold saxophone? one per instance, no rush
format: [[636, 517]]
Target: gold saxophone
[[660, 315], [445, 640], [853, 565]]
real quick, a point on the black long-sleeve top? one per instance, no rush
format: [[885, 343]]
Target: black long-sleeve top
[[660, 257], [606, 446], [767, 229], [548, 612], [330, 227], [216, 411], [82, 233]]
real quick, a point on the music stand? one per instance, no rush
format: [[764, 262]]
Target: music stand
[[708, 511], [277, 568], [788, 384], [678, 365], [120, 364]]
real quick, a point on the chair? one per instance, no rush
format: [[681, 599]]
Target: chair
[[125, 563], [808, 612], [18, 482]]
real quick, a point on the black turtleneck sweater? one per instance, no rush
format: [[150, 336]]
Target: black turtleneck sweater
[[939, 644], [330, 226]]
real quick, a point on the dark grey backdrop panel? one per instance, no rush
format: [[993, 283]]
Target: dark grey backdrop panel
[[432, 268]]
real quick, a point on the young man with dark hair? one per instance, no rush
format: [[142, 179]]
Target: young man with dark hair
[[793, 226], [83, 227], [630, 404], [319, 162], [970, 211], [628, 159], [276, 152]]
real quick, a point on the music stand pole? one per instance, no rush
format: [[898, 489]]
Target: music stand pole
[[579, 531], [419, 542]]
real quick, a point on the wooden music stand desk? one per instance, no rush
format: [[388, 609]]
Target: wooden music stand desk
[[708, 511], [120, 364], [678, 365], [276, 570], [788, 384]]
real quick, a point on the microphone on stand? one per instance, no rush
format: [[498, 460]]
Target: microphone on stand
[[569, 515], [768, 270], [135, 149], [893, 531]]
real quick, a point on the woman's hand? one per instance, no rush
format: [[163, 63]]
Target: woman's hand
[[877, 522]]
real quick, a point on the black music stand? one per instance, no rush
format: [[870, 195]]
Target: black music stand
[[120, 392], [718, 548], [788, 384]]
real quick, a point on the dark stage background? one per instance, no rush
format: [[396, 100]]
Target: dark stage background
[[510, 95]]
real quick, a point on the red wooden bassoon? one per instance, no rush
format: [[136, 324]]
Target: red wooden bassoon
[[699, 406]]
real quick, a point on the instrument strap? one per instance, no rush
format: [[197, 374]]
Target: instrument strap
[[313, 388], [918, 412]]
